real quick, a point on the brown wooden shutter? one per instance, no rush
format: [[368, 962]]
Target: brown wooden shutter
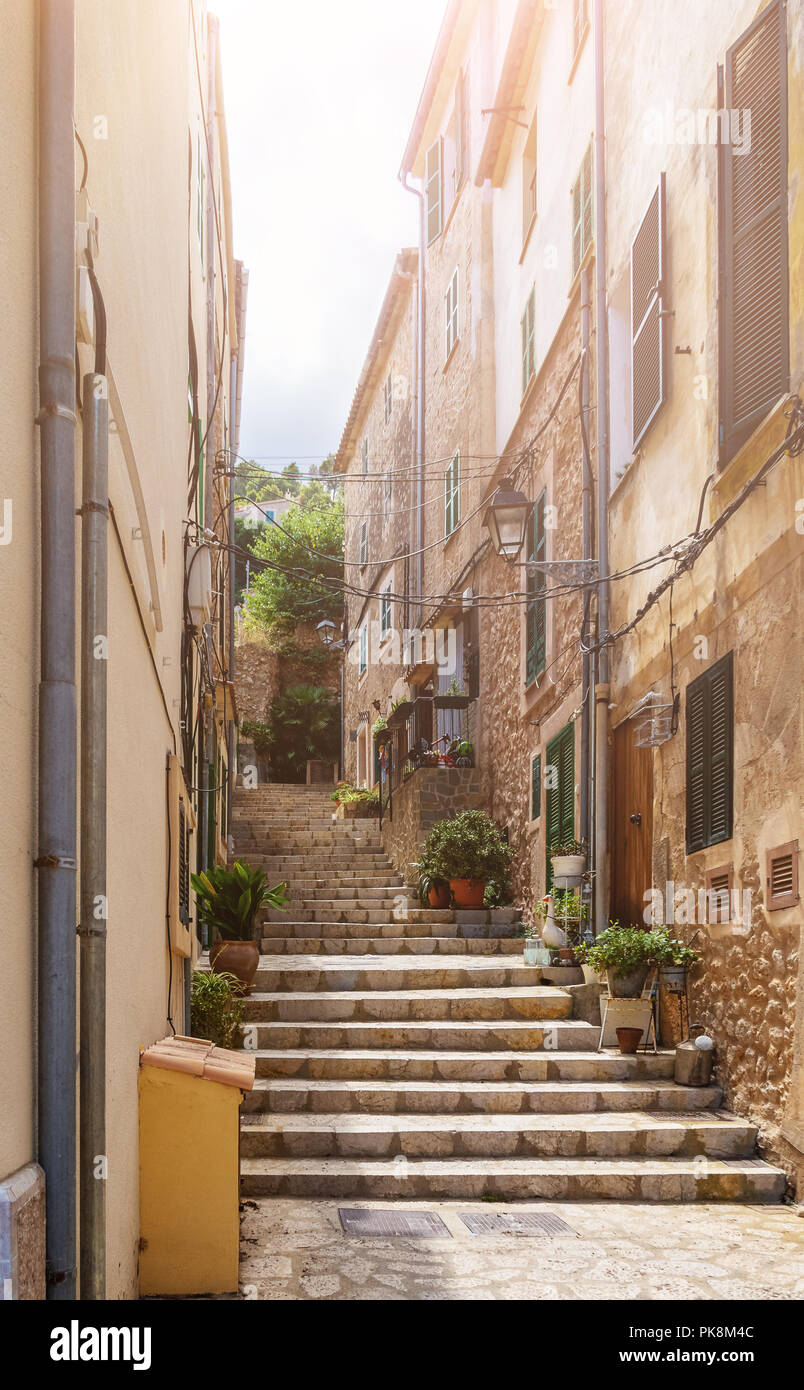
[[782, 876], [755, 341], [648, 259], [710, 756]]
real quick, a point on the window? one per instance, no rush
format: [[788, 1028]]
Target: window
[[528, 327], [560, 789], [432, 191], [385, 613], [451, 315], [710, 738], [454, 146], [647, 318], [452, 495], [364, 457], [580, 24], [781, 871], [363, 650], [529, 200], [387, 494], [536, 788], [389, 397], [269, 516], [363, 543], [582, 212], [718, 894], [754, 345], [536, 606]]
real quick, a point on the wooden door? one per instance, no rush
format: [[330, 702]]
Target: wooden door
[[631, 827]]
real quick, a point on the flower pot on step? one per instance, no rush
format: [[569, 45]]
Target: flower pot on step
[[627, 986], [468, 892], [628, 1040], [238, 958], [439, 897]]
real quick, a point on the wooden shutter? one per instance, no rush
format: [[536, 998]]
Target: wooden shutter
[[647, 319], [433, 190], [781, 865], [536, 609], [755, 362], [582, 212], [536, 788], [560, 798], [710, 756]]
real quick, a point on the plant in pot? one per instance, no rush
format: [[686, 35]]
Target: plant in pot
[[355, 803], [433, 888], [568, 858], [451, 698], [677, 959], [462, 752], [401, 711], [468, 850], [229, 902], [626, 954], [216, 1007]]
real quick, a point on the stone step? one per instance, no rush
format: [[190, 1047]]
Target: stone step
[[525, 1002], [346, 879], [393, 1064], [346, 892], [389, 946], [599, 1135], [290, 1095], [558, 1179], [442, 1035], [373, 914], [388, 931], [353, 972]]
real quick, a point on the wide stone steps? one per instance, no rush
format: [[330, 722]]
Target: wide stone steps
[[389, 946], [398, 929], [294, 1095], [463, 1035], [638, 1179], [349, 972], [375, 913], [394, 1064], [497, 1136], [493, 1003]]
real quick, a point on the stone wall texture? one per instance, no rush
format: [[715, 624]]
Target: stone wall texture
[[428, 796]]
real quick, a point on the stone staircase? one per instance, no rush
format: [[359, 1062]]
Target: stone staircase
[[406, 1053]]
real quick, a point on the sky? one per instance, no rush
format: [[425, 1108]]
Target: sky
[[320, 98]]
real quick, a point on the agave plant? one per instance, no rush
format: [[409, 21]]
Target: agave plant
[[230, 899]]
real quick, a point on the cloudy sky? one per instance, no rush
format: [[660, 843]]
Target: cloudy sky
[[320, 96]]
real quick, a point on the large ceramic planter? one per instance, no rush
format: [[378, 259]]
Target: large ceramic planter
[[468, 892], [673, 978], [568, 865], [439, 898], [628, 986], [238, 958]]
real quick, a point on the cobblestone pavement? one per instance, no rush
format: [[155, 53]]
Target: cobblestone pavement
[[292, 1249]]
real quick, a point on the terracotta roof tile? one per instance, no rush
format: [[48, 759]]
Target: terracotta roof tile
[[200, 1057]]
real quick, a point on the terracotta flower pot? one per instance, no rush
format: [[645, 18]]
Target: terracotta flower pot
[[468, 892], [439, 897], [628, 1040], [238, 958]]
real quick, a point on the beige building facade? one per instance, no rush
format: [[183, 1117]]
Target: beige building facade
[[151, 171]]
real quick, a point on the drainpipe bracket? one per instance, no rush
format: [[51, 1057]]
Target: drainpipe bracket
[[54, 861], [53, 408]]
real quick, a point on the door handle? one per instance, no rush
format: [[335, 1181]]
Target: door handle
[[635, 817]]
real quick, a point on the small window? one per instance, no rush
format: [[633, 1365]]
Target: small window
[[536, 788], [363, 543], [433, 191], [580, 24], [528, 330], [387, 494], [529, 180], [389, 397], [781, 876], [364, 457], [582, 212], [710, 756], [719, 884], [363, 665], [451, 315], [385, 613], [452, 495]]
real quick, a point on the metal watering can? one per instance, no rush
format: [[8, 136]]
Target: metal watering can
[[695, 1058]]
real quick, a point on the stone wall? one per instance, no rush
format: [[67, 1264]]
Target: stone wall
[[267, 664], [429, 795]]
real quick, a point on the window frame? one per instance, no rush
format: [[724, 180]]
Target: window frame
[[363, 544], [530, 175], [386, 608], [781, 901], [362, 651], [584, 177], [535, 586], [703, 767], [451, 310], [434, 190], [536, 787], [527, 329], [452, 495], [388, 397]]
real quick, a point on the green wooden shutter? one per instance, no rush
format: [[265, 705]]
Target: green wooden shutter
[[561, 797], [755, 341], [710, 756], [433, 190], [536, 788], [536, 609]]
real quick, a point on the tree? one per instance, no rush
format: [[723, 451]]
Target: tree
[[245, 538], [304, 724], [307, 548]]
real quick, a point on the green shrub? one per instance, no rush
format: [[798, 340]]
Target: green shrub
[[467, 845], [216, 1007], [304, 724], [624, 949], [229, 900]]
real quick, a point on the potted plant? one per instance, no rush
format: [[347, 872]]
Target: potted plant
[[216, 1007], [379, 729], [626, 954], [433, 888], [229, 902], [468, 850], [451, 698], [355, 803], [462, 752], [675, 963], [568, 858], [401, 710]]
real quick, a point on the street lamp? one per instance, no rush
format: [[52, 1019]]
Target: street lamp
[[506, 519], [326, 632]]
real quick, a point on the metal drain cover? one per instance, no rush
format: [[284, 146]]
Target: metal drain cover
[[416, 1224], [514, 1223]]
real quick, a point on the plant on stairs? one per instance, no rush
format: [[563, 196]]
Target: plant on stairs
[[468, 850], [216, 1007], [229, 901]]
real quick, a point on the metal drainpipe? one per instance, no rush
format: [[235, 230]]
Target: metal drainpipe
[[602, 769], [418, 193], [56, 856], [93, 927], [587, 503]]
